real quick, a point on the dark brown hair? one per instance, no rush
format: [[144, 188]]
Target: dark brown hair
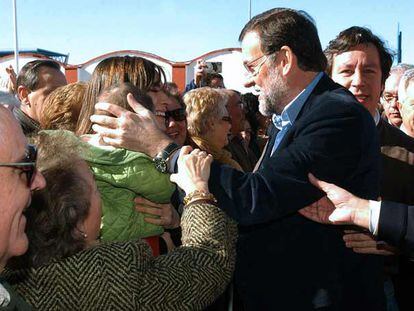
[[117, 94], [295, 29], [354, 36], [138, 71], [56, 210], [29, 74]]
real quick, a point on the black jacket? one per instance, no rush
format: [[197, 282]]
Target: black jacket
[[283, 258]]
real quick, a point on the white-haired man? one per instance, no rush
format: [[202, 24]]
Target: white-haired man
[[389, 98], [406, 103]]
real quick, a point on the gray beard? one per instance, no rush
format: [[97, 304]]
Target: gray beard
[[273, 101]]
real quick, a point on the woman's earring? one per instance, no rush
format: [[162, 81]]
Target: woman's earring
[[84, 235]]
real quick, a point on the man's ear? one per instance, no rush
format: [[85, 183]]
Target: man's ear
[[287, 58], [23, 94]]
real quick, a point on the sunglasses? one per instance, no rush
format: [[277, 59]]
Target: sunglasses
[[27, 165], [177, 115]]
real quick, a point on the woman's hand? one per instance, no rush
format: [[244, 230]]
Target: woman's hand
[[193, 170], [167, 216]]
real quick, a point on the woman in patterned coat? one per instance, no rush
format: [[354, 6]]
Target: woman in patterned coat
[[67, 269]]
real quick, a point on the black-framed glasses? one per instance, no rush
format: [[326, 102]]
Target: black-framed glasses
[[226, 119], [27, 165], [176, 114], [389, 98]]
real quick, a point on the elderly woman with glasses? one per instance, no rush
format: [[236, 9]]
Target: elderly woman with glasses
[[66, 268], [209, 123]]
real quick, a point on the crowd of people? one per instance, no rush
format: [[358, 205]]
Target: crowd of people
[[124, 193]]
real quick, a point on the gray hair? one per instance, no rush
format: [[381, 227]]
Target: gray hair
[[406, 79], [8, 99], [401, 68]]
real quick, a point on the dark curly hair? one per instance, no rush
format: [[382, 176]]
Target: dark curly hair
[[56, 211], [353, 36]]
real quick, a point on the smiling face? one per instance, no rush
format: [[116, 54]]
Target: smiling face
[[15, 194], [177, 130], [359, 71], [160, 101]]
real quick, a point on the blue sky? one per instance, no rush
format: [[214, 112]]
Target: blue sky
[[181, 30]]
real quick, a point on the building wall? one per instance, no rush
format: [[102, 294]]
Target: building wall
[[179, 72]]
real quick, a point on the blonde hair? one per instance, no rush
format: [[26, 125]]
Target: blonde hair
[[61, 107], [202, 106]]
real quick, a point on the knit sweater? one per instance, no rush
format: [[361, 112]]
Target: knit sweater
[[125, 276]]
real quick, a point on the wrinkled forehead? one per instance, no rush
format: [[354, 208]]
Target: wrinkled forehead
[[13, 142]]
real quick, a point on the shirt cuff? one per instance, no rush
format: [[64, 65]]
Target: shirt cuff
[[374, 214]]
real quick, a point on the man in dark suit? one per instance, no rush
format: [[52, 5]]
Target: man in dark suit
[[285, 261], [360, 61], [318, 125]]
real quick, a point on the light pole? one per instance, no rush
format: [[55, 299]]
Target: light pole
[[16, 47], [250, 9]]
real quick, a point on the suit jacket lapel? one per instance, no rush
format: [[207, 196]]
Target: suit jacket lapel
[[272, 130]]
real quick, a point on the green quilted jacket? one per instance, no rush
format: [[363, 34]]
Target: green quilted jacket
[[121, 175]]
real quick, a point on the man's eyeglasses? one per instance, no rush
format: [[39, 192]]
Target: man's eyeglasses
[[226, 119], [254, 70], [27, 165], [389, 98], [176, 114]]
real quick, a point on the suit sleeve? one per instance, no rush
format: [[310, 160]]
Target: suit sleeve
[[328, 142], [396, 225]]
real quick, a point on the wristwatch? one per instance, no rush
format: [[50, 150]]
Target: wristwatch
[[161, 159]]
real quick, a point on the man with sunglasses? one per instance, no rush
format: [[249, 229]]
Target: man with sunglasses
[[286, 262], [18, 178]]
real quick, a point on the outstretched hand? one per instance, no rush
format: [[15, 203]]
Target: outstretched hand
[[193, 170], [344, 207], [134, 131]]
